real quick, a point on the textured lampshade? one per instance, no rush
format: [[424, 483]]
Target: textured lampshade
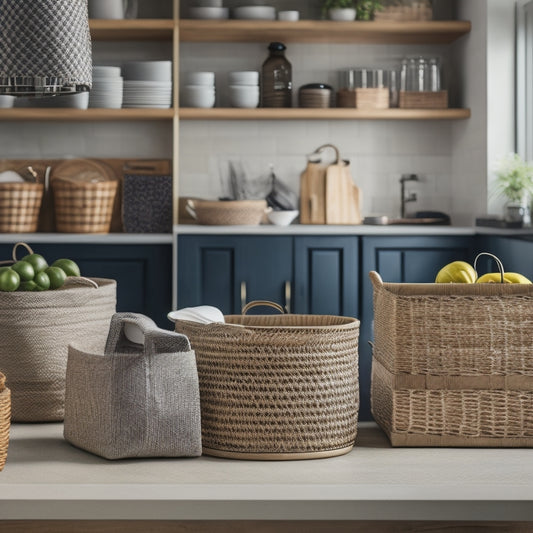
[[45, 47]]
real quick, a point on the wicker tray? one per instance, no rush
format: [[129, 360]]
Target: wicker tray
[[277, 387], [227, 213], [20, 204], [5, 419], [453, 363], [83, 207]]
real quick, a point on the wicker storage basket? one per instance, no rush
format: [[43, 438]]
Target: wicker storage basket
[[423, 99], [453, 363], [20, 204], [83, 206], [276, 387], [227, 213], [5, 419]]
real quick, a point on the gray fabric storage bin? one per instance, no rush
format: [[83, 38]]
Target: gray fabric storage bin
[[129, 399]]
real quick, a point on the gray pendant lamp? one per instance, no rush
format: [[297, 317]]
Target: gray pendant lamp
[[45, 47]]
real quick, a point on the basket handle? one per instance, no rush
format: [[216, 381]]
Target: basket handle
[[498, 263], [257, 303]]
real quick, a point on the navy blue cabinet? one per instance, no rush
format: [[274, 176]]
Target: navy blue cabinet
[[402, 259], [143, 272], [316, 275], [516, 254]]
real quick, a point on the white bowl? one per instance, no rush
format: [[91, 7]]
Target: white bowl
[[200, 78], [105, 72], [209, 13], [72, 101], [209, 3], [147, 70], [244, 96], [282, 218], [7, 100], [245, 77], [255, 13], [289, 16], [198, 96]]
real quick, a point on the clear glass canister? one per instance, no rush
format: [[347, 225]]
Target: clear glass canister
[[420, 74]]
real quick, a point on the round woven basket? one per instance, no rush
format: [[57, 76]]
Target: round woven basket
[[228, 213], [83, 207], [276, 387], [5, 419], [20, 204]]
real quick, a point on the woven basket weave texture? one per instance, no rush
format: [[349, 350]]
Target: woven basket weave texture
[[5, 419], [282, 384], [453, 363], [84, 207], [20, 204], [34, 353]]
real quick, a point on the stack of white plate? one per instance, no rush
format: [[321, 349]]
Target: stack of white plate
[[107, 88], [147, 84]]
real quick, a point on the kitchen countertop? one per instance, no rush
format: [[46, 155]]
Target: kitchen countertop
[[47, 478]]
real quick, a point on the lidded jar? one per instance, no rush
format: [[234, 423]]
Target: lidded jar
[[276, 78]]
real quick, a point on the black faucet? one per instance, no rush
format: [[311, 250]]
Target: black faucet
[[409, 198]]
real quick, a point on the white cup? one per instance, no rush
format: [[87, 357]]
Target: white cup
[[198, 96], [200, 78], [245, 77], [244, 96], [112, 9], [6, 101], [289, 16]]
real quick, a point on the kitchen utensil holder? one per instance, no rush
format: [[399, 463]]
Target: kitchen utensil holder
[[277, 387]]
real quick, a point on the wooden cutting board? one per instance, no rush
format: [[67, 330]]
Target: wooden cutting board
[[313, 194], [342, 196]]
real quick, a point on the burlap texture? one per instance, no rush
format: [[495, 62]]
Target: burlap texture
[[129, 400], [37, 328]]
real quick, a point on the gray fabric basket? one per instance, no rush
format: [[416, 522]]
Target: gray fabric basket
[[134, 400]]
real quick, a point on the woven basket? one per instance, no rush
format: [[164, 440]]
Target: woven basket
[[276, 387], [83, 207], [453, 363], [227, 213], [20, 204], [5, 419], [423, 99]]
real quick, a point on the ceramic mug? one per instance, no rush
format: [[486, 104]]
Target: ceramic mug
[[112, 9]]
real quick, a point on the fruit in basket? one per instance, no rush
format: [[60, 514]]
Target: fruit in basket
[[37, 261], [457, 272], [68, 266], [9, 280], [42, 281], [508, 277], [27, 286], [57, 276], [24, 269]]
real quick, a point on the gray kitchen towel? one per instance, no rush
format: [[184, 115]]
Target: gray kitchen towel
[[137, 396]]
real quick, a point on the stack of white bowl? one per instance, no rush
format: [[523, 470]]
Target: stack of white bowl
[[147, 84], [244, 88], [199, 89], [107, 88]]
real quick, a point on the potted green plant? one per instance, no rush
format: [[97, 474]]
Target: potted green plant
[[514, 181], [366, 8], [340, 10]]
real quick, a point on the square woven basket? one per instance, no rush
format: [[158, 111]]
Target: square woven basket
[[453, 363]]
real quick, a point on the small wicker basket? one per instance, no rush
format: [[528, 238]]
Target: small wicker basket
[[5, 419], [83, 207], [20, 204], [277, 387]]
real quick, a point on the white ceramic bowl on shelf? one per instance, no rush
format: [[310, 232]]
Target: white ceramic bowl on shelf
[[282, 218], [244, 77], [209, 13], [244, 96], [200, 78], [6, 101], [198, 96], [255, 13]]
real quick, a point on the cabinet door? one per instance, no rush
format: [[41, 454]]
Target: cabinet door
[[143, 272], [227, 271], [400, 260], [326, 274]]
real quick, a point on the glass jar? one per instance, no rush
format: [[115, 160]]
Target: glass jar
[[276, 78]]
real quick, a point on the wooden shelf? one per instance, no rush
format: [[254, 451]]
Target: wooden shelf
[[188, 113], [132, 29], [323, 31], [85, 115]]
